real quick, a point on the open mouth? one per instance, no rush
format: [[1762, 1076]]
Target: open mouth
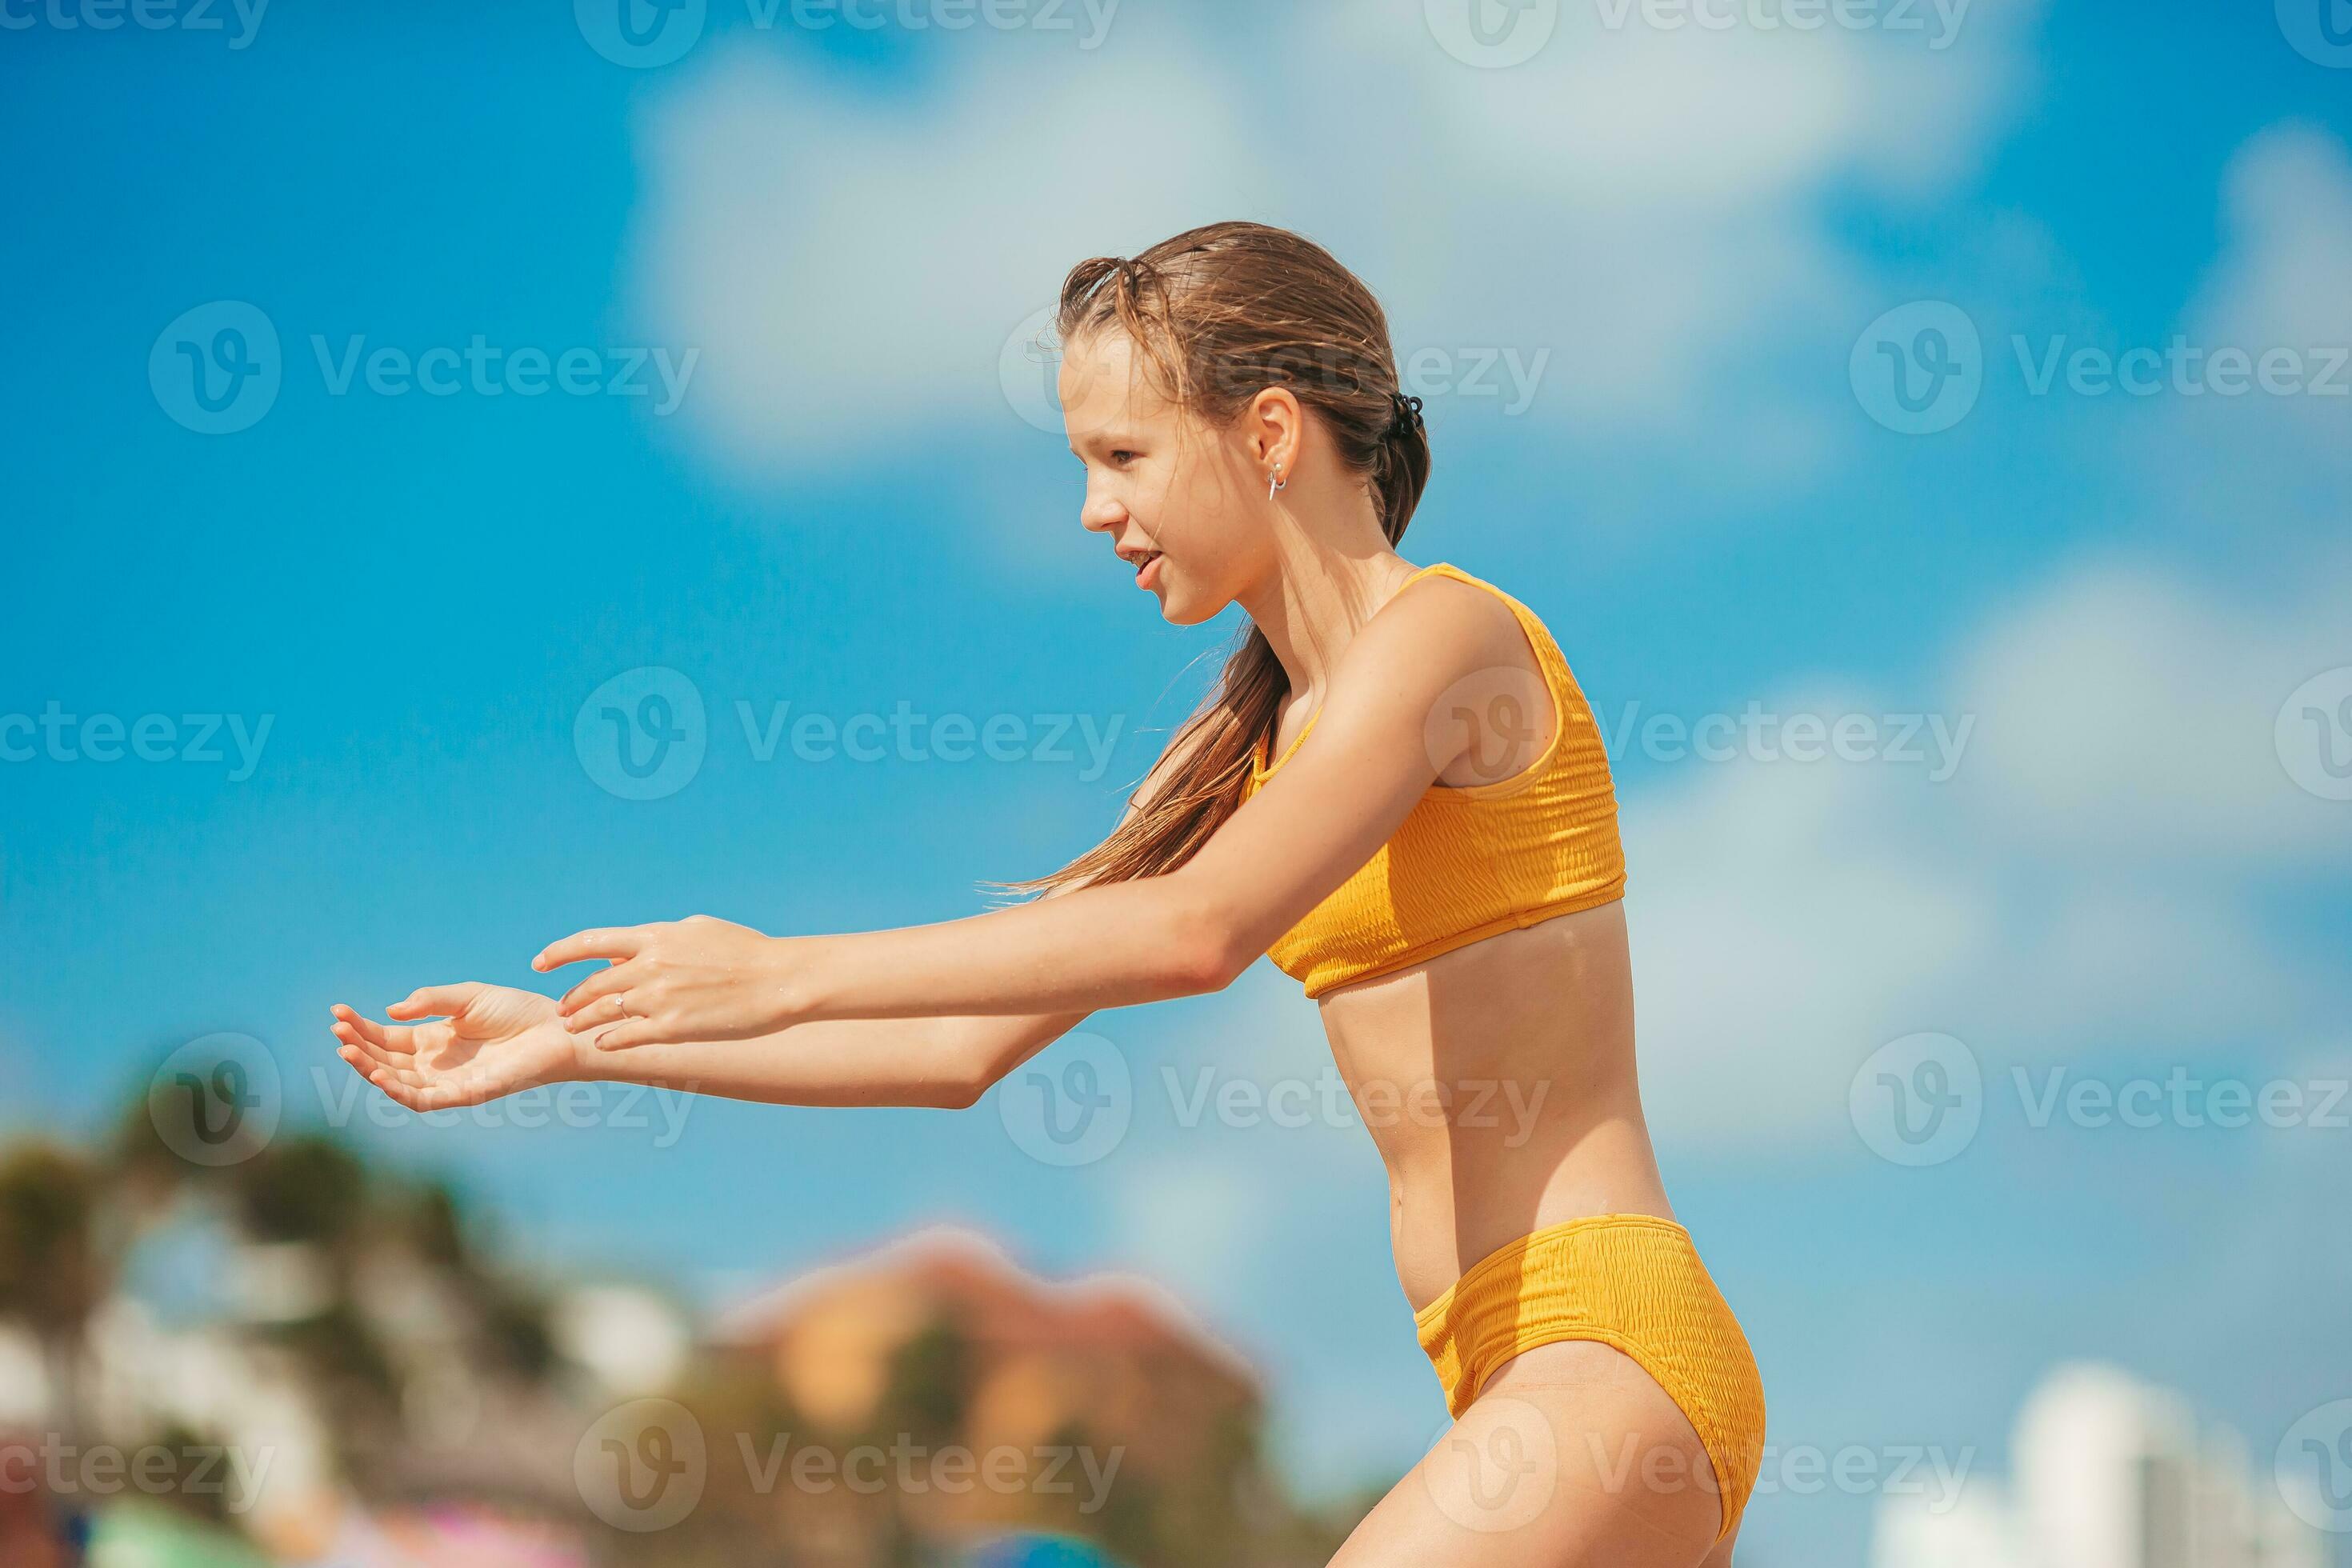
[[1147, 566]]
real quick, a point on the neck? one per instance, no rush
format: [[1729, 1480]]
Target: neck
[[1317, 598]]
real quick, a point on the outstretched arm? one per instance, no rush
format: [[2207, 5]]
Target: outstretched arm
[[452, 1045], [943, 1063], [1337, 799]]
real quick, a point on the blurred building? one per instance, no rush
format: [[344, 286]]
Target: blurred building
[[1106, 1362], [2111, 1472], [943, 1338], [1116, 1354]]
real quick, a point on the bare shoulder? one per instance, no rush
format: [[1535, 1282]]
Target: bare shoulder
[[1439, 629]]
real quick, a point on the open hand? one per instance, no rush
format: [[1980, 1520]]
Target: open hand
[[695, 979], [479, 1042]]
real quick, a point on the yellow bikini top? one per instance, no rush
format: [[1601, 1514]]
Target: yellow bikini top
[[1474, 861]]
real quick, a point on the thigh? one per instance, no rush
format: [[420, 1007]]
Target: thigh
[[1573, 1454]]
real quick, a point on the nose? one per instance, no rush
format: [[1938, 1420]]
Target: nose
[[1100, 513]]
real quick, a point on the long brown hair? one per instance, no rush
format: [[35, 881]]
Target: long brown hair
[[1217, 314]]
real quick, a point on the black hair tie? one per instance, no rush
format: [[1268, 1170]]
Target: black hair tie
[[1408, 414]]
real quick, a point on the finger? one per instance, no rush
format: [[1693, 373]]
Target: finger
[[614, 943], [401, 1041], [354, 1040], [435, 1001], [390, 1087], [604, 1010], [443, 1094], [608, 981], [370, 1067]]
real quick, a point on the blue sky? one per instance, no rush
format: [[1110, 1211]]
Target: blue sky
[[1689, 231]]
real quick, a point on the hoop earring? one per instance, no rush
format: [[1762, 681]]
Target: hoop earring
[[1275, 481]]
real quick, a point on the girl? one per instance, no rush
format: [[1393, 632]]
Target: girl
[[1399, 793]]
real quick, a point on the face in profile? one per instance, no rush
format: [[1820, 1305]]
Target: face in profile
[[1182, 501]]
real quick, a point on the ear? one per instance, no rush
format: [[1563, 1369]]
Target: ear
[[1275, 425]]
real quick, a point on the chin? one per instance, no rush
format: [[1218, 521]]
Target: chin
[[1181, 612], [1181, 606]]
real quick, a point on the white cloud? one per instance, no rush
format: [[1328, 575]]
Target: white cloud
[[1645, 204], [2125, 710], [2253, 467], [2286, 278], [851, 266], [2090, 876], [2096, 874], [1786, 920]]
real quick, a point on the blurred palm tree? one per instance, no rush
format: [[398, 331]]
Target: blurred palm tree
[[51, 1274]]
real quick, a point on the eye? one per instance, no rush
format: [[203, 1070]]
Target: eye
[[1121, 456]]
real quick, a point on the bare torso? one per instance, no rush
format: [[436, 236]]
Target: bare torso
[[1497, 1080], [1499, 1083]]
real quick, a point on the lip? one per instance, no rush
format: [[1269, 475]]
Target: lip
[[1148, 577]]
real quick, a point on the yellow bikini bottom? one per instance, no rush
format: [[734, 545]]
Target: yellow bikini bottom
[[1631, 1282]]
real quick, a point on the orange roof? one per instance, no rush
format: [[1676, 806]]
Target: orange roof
[[998, 1302]]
